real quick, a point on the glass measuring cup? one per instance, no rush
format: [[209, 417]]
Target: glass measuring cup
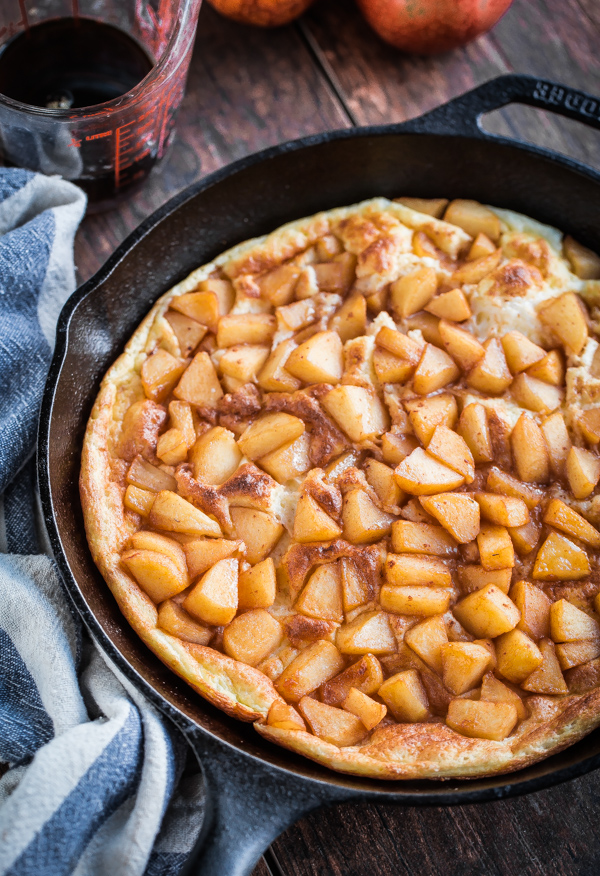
[[111, 146]]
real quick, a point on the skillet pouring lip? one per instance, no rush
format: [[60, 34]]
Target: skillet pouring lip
[[573, 762]]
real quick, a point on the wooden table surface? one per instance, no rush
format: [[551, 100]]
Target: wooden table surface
[[249, 89]]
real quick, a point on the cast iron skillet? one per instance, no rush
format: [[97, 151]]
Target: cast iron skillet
[[254, 788]]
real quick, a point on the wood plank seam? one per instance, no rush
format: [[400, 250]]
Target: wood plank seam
[[325, 69]]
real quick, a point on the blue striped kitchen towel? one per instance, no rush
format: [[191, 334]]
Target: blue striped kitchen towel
[[96, 781]]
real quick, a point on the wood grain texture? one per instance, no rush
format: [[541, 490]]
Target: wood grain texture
[[547, 38], [247, 89]]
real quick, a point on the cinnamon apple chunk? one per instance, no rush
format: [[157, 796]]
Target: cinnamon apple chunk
[[452, 305], [495, 691], [156, 573], [457, 512], [487, 613], [474, 218], [369, 633], [215, 456], [517, 656], [565, 316], [529, 451], [405, 697], [322, 594], [570, 624], [362, 520], [413, 291], [199, 384], [188, 331], [461, 344], [491, 375], [534, 606], [558, 442], [502, 510], [559, 515], [536, 395], [257, 586], [450, 448], [309, 670], [409, 537], [336, 726], [473, 427], [435, 370], [289, 461], [589, 423], [138, 500], [284, 717], [252, 636], [475, 577], [365, 675], [417, 600], [583, 472], [368, 710], [427, 639], [243, 362], [407, 569], [422, 475], [268, 433], [464, 664], [245, 328], [214, 599], [559, 559], [520, 352], [173, 619], [584, 262], [160, 372], [496, 549], [481, 719], [357, 410], [572, 654], [318, 360], [312, 523], [145, 476], [175, 514], [547, 678], [259, 531], [381, 478], [350, 321]]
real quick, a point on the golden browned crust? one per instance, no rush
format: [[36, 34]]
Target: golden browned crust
[[394, 751]]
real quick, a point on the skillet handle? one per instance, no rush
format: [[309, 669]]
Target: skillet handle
[[463, 114], [248, 804]]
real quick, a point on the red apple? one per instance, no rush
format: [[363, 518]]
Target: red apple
[[264, 13], [430, 26]]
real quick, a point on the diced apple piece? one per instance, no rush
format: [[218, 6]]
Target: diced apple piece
[[407, 569], [214, 599], [381, 478], [427, 639], [472, 271], [520, 352], [174, 620], [138, 500], [268, 433], [584, 262], [473, 218], [487, 613], [318, 360], [289, 461], [474, 429], [413, 291], [199, 384], [277, 286], [202, 553], [246, 328], [418, 601], [201, 306], [428, 413], [435, 370], [322, 594], [525, 538], [390, 368], [536, 395], [547, 678], [363, 707], [452, 306], [550, 369], [529, 451], [369, 633], [421, 538], [215, 456], [296, 316], [464, 664], [143, 540], [357, 410], [311, 523], [284, 717], [257, 586], [365, 675], [337, 275], [451, 449], [462, 345], [252, 636], [569, 624], [400, 345], [405, 697], [156, 573], [491, 375], [495, 691], [559, 515], [244, 361], [534, 606], [350, 320], [504, 484], [479, 719], [502, 510], [146, 476], [432, 206], [330, 724], [172, 447], [395, 447], [188, 331], [572, 654], [311, 668], [355, 590], [160, 372], [496, 549], [474, 578], [457, 512], [559, 559], [558, 442], [259, 531], [183, 419], [589, 423], [274, 377], [422, 475], [139, 430], [362, 520], [583, 472], [565, 316], [517, 656], [174, 514]]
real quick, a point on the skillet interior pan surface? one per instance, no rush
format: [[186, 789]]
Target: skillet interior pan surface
[[255, 789]]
